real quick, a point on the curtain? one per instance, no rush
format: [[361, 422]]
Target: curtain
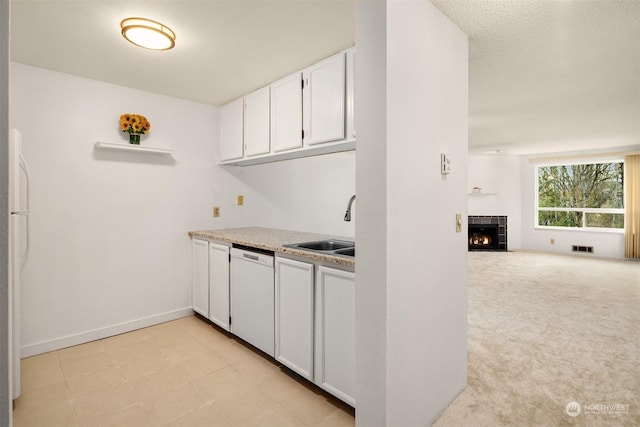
[[632, 206]]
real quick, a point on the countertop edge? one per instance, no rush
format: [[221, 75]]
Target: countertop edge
[[271, 239]]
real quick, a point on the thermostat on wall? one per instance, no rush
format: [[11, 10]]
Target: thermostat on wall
[[445, 164]]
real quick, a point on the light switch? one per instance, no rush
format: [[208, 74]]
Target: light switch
[[240, 200], [445, 164], [458, 223]]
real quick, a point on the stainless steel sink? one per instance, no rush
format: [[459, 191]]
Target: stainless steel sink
[[346, 251], [331, 246], [325, 245]]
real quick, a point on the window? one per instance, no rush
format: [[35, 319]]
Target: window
[[581, 195]]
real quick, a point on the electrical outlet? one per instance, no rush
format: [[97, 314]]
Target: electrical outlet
[[240, 200], [216, 211], [552, 241]]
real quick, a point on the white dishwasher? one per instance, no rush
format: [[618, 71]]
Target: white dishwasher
[[252, 298]]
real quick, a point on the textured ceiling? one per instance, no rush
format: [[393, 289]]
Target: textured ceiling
[[545, 76], [549, 76]]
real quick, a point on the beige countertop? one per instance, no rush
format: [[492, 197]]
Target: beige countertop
[[272, 239]]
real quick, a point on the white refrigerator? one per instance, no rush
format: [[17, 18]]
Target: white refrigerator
[[18, 248]]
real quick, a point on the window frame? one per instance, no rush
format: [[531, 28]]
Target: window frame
[[569, 162]]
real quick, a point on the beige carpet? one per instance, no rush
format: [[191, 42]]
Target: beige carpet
[[547, 330]]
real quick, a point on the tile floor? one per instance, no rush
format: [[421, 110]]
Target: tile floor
[[180, 373]]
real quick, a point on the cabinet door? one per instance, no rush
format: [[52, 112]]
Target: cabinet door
[[351, 92], [231, 128], [200, 276], [286, 113], [256, 122], [294, 315], [219, 285], [324, 101], [335, 333]]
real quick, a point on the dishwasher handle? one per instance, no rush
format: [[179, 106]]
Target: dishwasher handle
[[254, 257]]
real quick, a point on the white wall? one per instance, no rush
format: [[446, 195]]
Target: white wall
[[371, 229], [110, 250], [6, 416], [509, 187], [607, 244], [109, 244], [412, 292], [500, 179], [309, 194]]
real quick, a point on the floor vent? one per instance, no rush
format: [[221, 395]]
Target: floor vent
[[587, 249]]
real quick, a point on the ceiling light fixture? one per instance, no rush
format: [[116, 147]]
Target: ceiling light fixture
[[148, 34]]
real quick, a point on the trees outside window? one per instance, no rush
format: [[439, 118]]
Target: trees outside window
[[581, 195]]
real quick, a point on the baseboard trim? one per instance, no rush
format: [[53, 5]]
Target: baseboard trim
[[108, 331]]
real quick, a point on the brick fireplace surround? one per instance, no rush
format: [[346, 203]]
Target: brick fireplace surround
[[499, 220]]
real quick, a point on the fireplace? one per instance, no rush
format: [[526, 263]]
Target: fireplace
[[487, 233]]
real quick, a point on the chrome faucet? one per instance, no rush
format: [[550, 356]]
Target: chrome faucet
[[347, 215]]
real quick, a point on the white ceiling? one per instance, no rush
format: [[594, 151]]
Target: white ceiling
[[549, 76], [545, 76], [224, 49]]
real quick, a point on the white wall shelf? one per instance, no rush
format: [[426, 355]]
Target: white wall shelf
[[131, 147], [480, 194]]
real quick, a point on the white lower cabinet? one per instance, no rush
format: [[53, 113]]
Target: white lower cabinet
[[219, 285], [294, 315], [200, 276], [335, 333], [210, 281], [314, 314]]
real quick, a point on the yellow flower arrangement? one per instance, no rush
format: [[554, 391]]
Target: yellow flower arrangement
[[134, 124]]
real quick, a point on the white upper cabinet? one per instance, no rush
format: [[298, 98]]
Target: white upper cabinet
[[286, 113], [257, 123], [324, 100], [231, 127], [351, 92], [307, 113]]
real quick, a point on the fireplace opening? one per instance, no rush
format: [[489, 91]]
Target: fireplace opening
[[483, 237], [487, 233]]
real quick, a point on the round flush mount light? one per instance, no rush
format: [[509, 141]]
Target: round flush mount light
[[148, 34]]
